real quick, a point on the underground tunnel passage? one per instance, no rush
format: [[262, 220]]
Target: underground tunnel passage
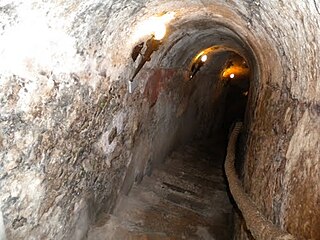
[[112, 130]]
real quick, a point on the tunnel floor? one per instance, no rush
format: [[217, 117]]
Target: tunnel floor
[[185, 198]]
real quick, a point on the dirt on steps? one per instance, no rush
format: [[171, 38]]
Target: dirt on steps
[[185, 198]]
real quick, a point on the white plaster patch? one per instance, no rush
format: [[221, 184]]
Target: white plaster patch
[[30, 93], [33, 45], [118, 121], [11, 160], [23, 139], [104, 143], [28, 188], [32, 191], [31, 187]]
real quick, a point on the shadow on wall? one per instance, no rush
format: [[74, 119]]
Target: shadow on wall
[[170, 117]]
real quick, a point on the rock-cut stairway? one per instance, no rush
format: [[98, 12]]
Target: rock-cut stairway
[[185, 198]]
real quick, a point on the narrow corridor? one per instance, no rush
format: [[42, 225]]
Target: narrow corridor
[[185, 198], [103, 105]]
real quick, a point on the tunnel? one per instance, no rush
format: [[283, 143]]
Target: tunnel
[[119, 119]]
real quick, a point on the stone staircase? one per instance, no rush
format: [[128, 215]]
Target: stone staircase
[[185, 198]]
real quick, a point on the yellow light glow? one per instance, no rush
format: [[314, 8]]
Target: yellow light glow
[[160, 32], [237, 70], [199, 55], [155, 26], [204, 58], [231, 75]]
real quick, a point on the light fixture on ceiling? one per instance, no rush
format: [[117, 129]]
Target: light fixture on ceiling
[[199, 61], [156, 28], [204, 58]]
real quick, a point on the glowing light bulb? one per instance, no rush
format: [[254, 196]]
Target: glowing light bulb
[[155, 25], [231, 75], [204, 58], [160, 32]]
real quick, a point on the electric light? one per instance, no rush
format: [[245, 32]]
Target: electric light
[[160, 32], [204, 58], [155, 26], [231, 75]]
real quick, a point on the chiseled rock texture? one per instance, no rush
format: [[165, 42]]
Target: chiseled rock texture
[[282, 160], [72, 137]]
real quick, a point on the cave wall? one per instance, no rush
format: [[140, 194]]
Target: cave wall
[[282, 159], [71, 135]]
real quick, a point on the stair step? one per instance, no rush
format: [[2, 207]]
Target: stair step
[[185, 198], [212, 213], [153, 213], [199, 187], [210, 176], [180, 197], [204, 154], [159, 218], [205, 166], [115, 228]]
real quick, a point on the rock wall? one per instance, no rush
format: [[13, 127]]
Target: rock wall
[[282, 159], [71, 134]]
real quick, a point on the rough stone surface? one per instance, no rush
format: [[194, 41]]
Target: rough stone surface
[[186, 198], [71, 136]]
